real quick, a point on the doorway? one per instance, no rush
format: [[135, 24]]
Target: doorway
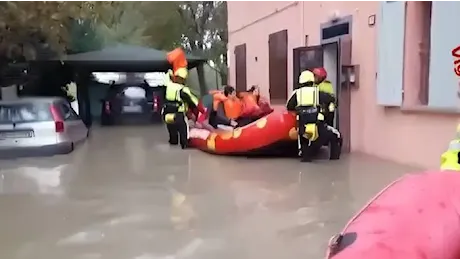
[[332, 56], [326, 56], [240, 67], [277, 66], [331, 64]]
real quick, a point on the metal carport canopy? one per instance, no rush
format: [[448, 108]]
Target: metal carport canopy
[[125, 58]]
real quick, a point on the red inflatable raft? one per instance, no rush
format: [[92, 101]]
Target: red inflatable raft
[[272, 134], [415, 217]]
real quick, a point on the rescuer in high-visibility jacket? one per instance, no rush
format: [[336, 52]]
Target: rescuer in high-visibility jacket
[[450, 160], [70, 91], [178, 100], [312, 130], [328, 98]]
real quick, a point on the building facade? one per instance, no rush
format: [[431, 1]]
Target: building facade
[[391, 63]]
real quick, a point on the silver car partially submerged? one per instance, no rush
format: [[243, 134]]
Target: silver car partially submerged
[[39, 127]]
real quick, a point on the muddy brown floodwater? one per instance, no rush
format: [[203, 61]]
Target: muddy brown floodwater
[[127, 194]]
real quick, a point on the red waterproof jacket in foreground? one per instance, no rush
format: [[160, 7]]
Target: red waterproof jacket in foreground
[[415, 217]]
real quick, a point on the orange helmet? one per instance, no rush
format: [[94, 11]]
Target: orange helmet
[[320, 72]]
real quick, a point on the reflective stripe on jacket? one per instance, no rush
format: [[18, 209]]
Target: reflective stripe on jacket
[[186, 90], [177, 93], [305, 97]]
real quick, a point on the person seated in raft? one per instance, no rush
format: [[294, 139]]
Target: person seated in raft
[[250, 107], [217, 97], [250, 99], [202, 119], [262, 102], [226, 109], [254, 105]]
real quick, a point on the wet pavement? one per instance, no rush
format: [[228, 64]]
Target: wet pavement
[[126, 194]]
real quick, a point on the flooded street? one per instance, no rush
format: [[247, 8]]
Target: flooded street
[[126, 194]]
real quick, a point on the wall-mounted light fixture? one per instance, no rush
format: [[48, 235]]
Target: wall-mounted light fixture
[[350, 75], [371, 20], [334, 16]]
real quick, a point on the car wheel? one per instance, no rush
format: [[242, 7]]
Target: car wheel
[[72, 147], [104, 121]]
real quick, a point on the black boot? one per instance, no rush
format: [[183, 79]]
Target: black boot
[[185, 145], [335, 150], [306, 159], [173, 142], [306, 155]]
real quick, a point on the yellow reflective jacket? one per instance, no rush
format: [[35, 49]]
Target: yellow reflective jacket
[[450, 160], [326, 87], [182, 95]]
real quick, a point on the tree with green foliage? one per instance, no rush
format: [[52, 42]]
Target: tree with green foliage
[[46, 22], [128, 25], [205, 31], [165, 25], [200, 27], [65, 26], [84, 37]]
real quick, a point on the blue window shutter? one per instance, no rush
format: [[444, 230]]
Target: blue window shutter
[[390, 52], [443, 82]]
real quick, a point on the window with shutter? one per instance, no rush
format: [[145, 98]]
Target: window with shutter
[[443, 81], [390, 27]]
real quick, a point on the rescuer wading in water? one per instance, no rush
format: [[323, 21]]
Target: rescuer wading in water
[[313, 132], [327, 93], [179, 99]]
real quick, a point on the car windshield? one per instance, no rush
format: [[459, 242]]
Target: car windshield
[[24, 113], [134, 92]]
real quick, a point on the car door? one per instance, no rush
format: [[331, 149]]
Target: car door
[[75, 128]]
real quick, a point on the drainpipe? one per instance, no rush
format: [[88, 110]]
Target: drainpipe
[[302, 18], [292, 4]]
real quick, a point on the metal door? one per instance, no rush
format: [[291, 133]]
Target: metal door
[[306, 58], [344, 94], [277, 65], [240, 67]]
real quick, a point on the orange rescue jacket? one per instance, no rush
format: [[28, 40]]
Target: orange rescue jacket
[[249, 99], [232, 106], [177, 59]]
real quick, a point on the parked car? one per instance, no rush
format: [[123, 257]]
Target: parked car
[[39, 126], [132, 103]]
